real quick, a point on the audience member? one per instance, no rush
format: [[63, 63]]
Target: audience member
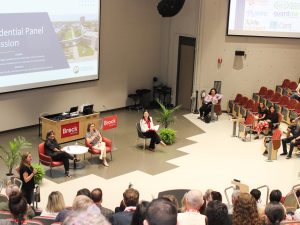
[[256, 195], [84, 191], [215, 195], [275, 213], [130, 200], [234, 196], [296, 94], [139, 214], [262, 112], [245, 211], [275, 196], [97, 197], [212, 98], [268, 122], [217, 213], [56, 203], [161, 212], [18, 207], [207, 196], [172, 199], [27, 176], [193, 202], [293, 139]]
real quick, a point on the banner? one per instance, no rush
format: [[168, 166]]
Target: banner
[[110, 122], [70, 129]]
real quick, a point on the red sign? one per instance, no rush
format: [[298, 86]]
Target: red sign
[[70, 129], [110, 122]]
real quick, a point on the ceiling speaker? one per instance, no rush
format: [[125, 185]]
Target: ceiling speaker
[[169, 8]]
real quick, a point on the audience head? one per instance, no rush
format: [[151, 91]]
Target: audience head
[[262, 105], [256, 194], [194, 200], [274, 213], [85, 217], [275, 196], [245, 210], [50, 134], [207, 195], [272, 109], [56, 202], [215, 195], [17, 205], [213, 92], [235, 195], [81, 203], [12, 189], [131, 197], [217, 213], [161, 211], [96, 195], [84, 191], [140, 213], [172, 199]]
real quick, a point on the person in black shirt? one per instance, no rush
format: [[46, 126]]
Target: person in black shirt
[[53, 150], [27, 176], [293, 131]]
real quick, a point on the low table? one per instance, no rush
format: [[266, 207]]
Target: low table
[[76, 150]]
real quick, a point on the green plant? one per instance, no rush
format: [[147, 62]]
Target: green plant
[[38, 177], [11, 156], [167, 135], [165, 115]]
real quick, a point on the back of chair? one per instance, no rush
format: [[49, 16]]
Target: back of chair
[[44, 159], [3, 198], [139, 130], [249, 119], [285, 83], [44, 219], [293, 85], [263, 91], [237, 97], [5, 214]]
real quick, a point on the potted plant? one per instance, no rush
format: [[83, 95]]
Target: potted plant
[[165, 118], [38, 177], [11, 156]]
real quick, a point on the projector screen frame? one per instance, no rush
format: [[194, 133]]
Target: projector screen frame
[[246, 35], [73, 82]]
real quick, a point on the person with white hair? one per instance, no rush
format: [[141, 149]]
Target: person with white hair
[[191, 216]]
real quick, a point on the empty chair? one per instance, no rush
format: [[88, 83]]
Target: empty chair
[[295, 113], [286, 109], [268, 96], [231, 102], [284, 100], [276, 143], [244, 109], [274, 100], [254, 109], [237, 106], [262, 92], [44, 219], [285, 84], [246, 127], [292, 87]]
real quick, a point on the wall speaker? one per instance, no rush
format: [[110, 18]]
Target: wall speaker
[[239, 53], [169, 8]]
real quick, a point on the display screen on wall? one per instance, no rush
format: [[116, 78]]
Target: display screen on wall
[[48, 42], [268, 18]]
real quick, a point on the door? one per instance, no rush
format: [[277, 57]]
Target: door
[[185, 71]]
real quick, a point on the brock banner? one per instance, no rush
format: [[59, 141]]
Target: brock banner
[[70, 129], [110, 122]]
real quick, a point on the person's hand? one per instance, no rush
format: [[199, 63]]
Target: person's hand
[[293, 141], [34, 172]]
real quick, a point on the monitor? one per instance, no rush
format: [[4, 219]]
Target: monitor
[[87, 109], [73, 109]]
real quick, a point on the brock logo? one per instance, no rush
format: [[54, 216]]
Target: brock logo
[[70, 129]]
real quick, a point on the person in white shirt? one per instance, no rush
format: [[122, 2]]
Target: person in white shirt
[[212, 98], [191, 216], [56, 203], [149, 130]]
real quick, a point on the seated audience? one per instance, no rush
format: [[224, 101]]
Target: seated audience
[[97, 197], [207, 196], [245, 211], [148, 130], [56, 203], [293, 133], [211, 98], [275, 196], [94, 137], [256, 195], [193, 202], [296, 94], [217, 213], [139, 214], [274, 213], [53, 149], [18, 208], [161, 212], [172, 199], [262, 112], [84, 191], [235, 194], [215, 195], [82, 203], [270, 120], [130, 200], [85, 217]]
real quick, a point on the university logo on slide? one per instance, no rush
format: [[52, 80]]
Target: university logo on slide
[[70, 129], [110, 122]]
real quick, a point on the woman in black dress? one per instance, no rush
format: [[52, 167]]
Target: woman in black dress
[[53, 150], [27, 176]]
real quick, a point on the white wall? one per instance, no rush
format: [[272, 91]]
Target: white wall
[[268, 61], [129, 58]]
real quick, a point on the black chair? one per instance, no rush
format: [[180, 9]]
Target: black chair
[[178, 193], [137, 99], [140, 135]]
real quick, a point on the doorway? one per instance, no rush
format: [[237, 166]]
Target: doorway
[[185, 71]]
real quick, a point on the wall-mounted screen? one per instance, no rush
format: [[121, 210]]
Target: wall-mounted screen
[[48, 42], [268, 18]]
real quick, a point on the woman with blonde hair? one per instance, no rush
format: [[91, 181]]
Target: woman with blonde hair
[[245, 211], [56, 203]]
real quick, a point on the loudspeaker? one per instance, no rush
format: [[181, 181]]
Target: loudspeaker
[[169, 8], [239, 53]]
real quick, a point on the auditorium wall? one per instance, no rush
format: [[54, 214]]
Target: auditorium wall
[[268, 60], [129, 58]]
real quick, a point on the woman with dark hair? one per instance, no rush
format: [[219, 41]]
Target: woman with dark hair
[[18, 207], [274, 213], [270, 119], [140, 213], [262, 111], [94, 138], [27, 176], [217, 213], [53, 150], [149, 130], [212, 98]]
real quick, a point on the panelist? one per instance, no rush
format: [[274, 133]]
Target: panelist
[[53, 149], [94, 138]]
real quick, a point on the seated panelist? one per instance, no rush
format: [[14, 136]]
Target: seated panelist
[[53, 149], [94, 138], [212, 98]]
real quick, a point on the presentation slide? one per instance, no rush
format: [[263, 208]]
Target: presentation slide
[[48, 42], [270, 18]]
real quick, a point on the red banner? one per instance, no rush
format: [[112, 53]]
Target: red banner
[[70, 129], [110, 122]]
